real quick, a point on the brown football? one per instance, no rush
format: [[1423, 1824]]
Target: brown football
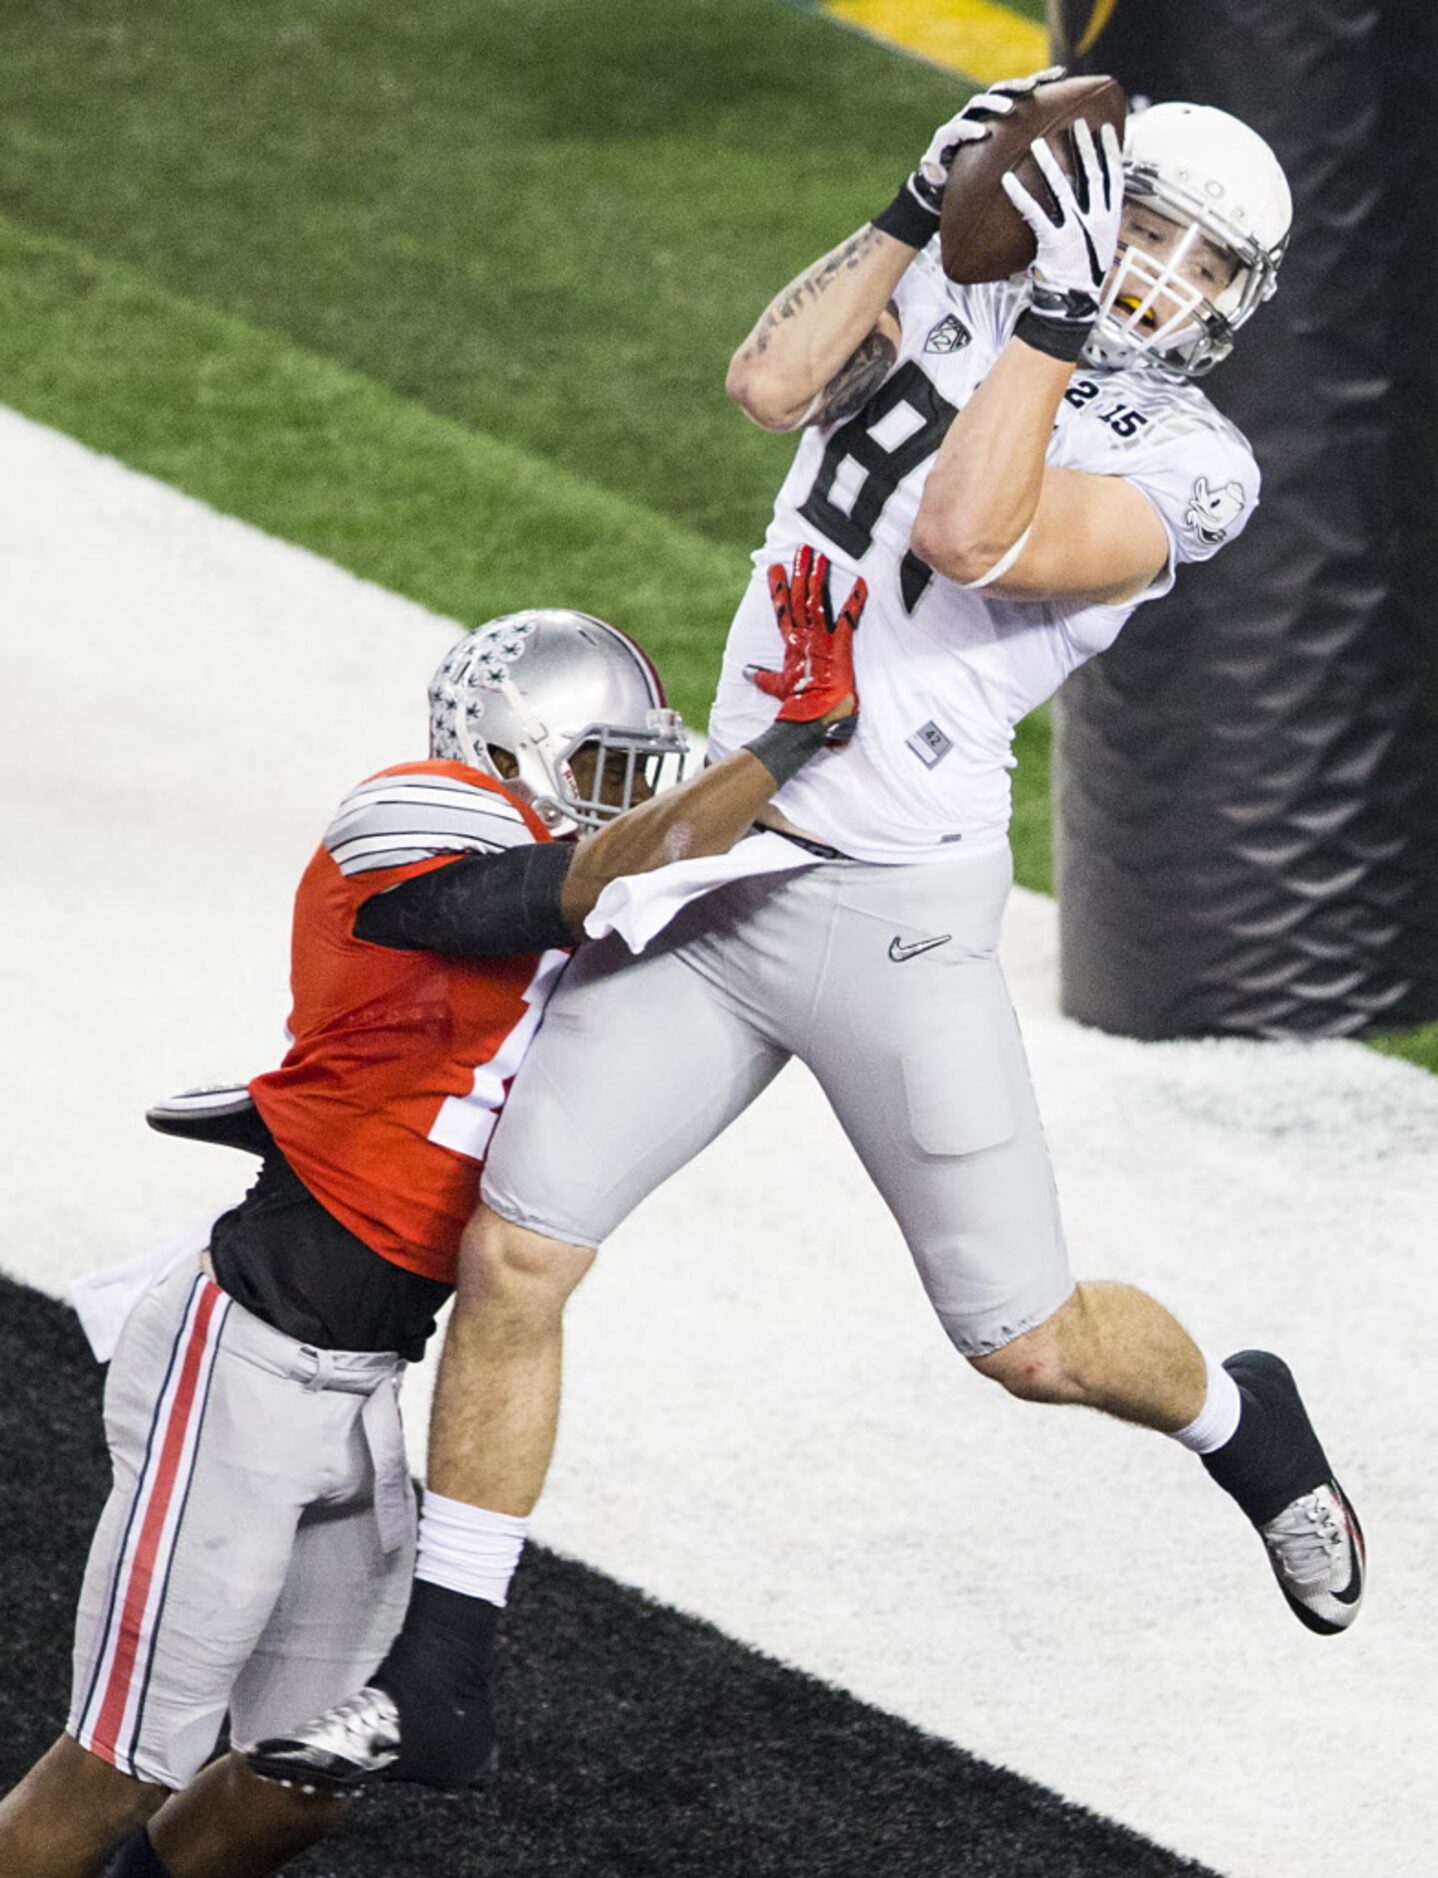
[[982, 236]]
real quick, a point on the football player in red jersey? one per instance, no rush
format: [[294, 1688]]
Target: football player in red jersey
[[255, 1554]]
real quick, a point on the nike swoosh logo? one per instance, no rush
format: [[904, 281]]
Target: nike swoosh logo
[[1353, 1590], [898, 951]]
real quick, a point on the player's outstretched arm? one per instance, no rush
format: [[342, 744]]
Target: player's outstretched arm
[[538, 895], [825, 344], [993, 513], [818, 706]]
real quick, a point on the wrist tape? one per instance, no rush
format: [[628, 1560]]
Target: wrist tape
[[784, 749], [908, 220], [1057, 322]]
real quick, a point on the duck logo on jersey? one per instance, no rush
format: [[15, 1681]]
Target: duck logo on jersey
[[1212, 512], [950, 335]]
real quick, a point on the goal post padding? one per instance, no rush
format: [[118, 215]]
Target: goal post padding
[[1246, 784]]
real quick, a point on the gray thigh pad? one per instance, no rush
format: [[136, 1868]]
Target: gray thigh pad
[[917, 1048], [638, 1064]]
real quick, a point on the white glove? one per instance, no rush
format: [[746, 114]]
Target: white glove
[[1076, 252], [913, 215], [971, 125]]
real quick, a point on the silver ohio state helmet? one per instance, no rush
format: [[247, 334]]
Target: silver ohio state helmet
[[1214, 177], [542, 684]]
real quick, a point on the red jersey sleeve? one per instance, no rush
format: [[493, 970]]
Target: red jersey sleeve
[[415, 816]]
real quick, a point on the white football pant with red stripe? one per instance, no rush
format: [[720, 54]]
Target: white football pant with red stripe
[[255, 1552]]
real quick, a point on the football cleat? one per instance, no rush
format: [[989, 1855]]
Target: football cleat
[[341, 1750], [1315, 1547], [1276, 1469]]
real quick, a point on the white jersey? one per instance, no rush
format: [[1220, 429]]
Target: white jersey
[[945, 673]]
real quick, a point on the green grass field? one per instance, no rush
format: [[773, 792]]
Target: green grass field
[[550, 220], [480, 271], [447, 293]]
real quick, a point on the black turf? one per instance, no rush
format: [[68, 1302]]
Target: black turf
[[637, 1743]]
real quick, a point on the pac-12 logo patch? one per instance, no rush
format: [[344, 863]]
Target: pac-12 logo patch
[[1212, 512], [950, 335]]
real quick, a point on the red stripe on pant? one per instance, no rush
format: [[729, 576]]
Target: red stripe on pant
[[146, 1557]]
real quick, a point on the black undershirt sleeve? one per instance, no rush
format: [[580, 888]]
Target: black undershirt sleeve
[[481, 906]]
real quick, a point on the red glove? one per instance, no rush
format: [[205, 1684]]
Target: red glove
[[817, 676]]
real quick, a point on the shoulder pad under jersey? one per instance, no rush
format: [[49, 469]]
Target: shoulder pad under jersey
[[408, 815], [1176, 408]]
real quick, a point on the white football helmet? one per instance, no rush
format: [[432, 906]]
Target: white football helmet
[[1218, 181], [541, 685]]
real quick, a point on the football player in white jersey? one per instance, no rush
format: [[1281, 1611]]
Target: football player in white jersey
[[1012, 469]]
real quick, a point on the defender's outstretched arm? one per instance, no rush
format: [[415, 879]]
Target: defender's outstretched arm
[[539, 895]]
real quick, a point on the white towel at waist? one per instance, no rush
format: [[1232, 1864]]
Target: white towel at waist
[[104, 1299], [640, 906]]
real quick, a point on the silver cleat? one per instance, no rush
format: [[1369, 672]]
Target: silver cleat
[[338, 1752], [1315, 1546]]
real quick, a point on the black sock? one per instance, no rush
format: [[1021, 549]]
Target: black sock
[[438, 1670], [136, 1858], [1274, 1455]]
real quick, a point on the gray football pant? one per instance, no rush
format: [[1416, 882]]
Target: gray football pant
[[243, 1560], [641, 1062]]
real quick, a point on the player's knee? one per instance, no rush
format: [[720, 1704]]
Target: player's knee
[[508, 1267], [72, 1798], [1032, 1372], [1045, 1364]]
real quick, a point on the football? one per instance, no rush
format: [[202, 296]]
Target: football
[[982, 236]]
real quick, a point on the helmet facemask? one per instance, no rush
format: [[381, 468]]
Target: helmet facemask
[[533, 685], [589, 777], [1153, 309], [607, 769]]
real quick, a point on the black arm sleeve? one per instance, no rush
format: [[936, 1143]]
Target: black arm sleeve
[[481, 906]]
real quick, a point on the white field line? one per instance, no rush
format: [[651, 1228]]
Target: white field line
[[763, 1423]]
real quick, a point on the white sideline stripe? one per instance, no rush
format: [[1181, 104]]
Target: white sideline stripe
[[763, 1424]]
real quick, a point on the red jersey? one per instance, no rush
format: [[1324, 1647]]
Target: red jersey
[[400, 1061]]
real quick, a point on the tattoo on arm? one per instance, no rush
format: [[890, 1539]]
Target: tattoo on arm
[[813, 283], [856, 380]]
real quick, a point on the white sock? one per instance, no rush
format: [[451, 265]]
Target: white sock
[[1213, 1426], [467, 1549]]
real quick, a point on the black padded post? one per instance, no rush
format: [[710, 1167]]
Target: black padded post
[[1247, 782]]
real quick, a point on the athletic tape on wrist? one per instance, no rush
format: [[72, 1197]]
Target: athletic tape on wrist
[[1059, 338], [1002, 565], [784, 749], [907, 220]]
